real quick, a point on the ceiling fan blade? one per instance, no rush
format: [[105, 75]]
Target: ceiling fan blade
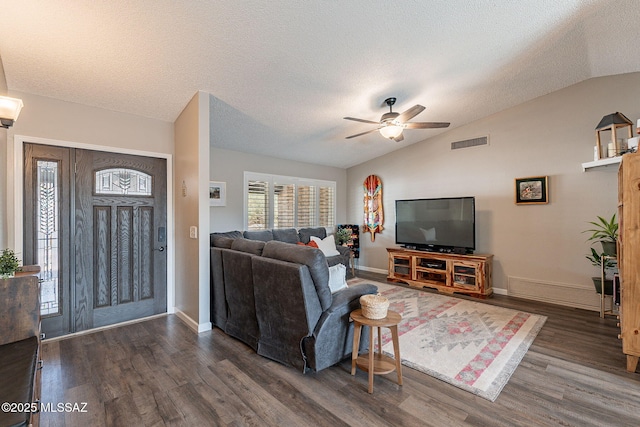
[[426, 125], [361, 120], [362, 133], [410, 113], [398, 138]]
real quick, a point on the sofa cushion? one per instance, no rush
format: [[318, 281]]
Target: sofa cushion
[[287, 235], [222, 242], [311, 257], [254, 247], [263, 235], [326, 245], [305, 233], [229, 234]]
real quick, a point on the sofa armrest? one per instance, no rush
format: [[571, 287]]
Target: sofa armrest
[[348, 295], [344, 250], [343, 259], [344, 302], [332, 338]]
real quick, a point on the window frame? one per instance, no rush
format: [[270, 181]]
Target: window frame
[[273, 180]]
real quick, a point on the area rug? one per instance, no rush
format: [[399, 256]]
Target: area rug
[[471, 345]]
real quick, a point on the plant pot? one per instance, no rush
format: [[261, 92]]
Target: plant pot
[[609, 248], [608, 285]]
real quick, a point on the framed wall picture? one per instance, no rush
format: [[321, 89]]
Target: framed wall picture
[[217, 193], [532, 190]]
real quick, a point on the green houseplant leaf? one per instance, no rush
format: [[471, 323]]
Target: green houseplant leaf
[[9, 263], [603, 229], [596, 259], [343, 235]]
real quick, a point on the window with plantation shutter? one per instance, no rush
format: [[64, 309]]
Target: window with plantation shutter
[[327, 208], [306, 204], [257, 209], [273, 201], [284, 205]]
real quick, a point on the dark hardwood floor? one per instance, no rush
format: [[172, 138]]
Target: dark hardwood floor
[[159, 372]]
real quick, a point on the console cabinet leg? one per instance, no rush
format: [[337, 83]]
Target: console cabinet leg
[[632, 363]]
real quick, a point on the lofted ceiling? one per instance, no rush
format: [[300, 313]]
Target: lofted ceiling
[[284, 73]]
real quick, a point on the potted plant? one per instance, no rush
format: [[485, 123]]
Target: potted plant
[[606, 232], [343, 236], [596, 260], [9, 264]]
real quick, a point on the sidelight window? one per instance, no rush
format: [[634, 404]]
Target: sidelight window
[[48, 228]]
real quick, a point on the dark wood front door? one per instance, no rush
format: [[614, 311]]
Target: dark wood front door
[[112, 244]]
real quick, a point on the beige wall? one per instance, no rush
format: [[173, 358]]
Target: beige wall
[[551, 135], [229, 166], [192, 130]]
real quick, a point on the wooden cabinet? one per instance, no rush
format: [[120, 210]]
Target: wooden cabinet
[[20, 344], [467, 274], [628, 255]]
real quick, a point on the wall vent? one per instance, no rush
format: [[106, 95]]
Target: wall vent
[[474, 142]]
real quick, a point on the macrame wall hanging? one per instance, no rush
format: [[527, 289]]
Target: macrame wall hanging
[[373, 214]]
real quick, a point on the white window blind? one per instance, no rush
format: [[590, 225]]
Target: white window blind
[[306, 202], [273, 201], [284, 206], [257, 206], [327, 217]]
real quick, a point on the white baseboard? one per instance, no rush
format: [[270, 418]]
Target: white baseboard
[[567, 294], [192, 324], [500, 291]]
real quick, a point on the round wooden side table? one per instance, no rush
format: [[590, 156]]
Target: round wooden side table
[[376, 363]]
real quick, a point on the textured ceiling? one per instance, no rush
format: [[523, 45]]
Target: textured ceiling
[[284, 73]]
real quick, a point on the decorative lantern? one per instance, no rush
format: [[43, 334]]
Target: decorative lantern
[[612, 122]]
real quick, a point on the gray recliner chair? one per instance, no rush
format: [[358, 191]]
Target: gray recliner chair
[[301, 323]]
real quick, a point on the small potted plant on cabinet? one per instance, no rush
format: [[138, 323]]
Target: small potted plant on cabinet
[[606, 232], [9, 264], [343, 236], [597, 260]]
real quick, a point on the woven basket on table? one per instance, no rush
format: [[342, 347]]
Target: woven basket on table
[[374, 306]]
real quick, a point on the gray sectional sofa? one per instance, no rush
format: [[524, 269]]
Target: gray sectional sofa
[[275, 297], [291, 235]]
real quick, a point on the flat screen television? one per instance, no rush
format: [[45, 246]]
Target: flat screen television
[[441, 225]]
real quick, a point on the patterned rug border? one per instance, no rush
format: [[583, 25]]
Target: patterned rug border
[[493, 391]]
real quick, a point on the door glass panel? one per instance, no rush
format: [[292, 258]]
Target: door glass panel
[[48, 236], [128, 182]]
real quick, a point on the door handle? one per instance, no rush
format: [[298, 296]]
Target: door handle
[[160, 249]]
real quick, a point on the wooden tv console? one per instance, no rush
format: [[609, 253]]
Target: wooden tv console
[[446, 272]]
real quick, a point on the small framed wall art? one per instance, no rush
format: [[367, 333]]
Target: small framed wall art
[[532, 190], [217, 193]]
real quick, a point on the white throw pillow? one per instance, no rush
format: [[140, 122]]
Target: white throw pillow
[[337, 278], [326, 245]]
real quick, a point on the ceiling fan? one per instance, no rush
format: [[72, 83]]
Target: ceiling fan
[[392, 124]]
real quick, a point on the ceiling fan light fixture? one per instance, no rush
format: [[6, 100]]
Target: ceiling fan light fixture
[[391, 131]]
